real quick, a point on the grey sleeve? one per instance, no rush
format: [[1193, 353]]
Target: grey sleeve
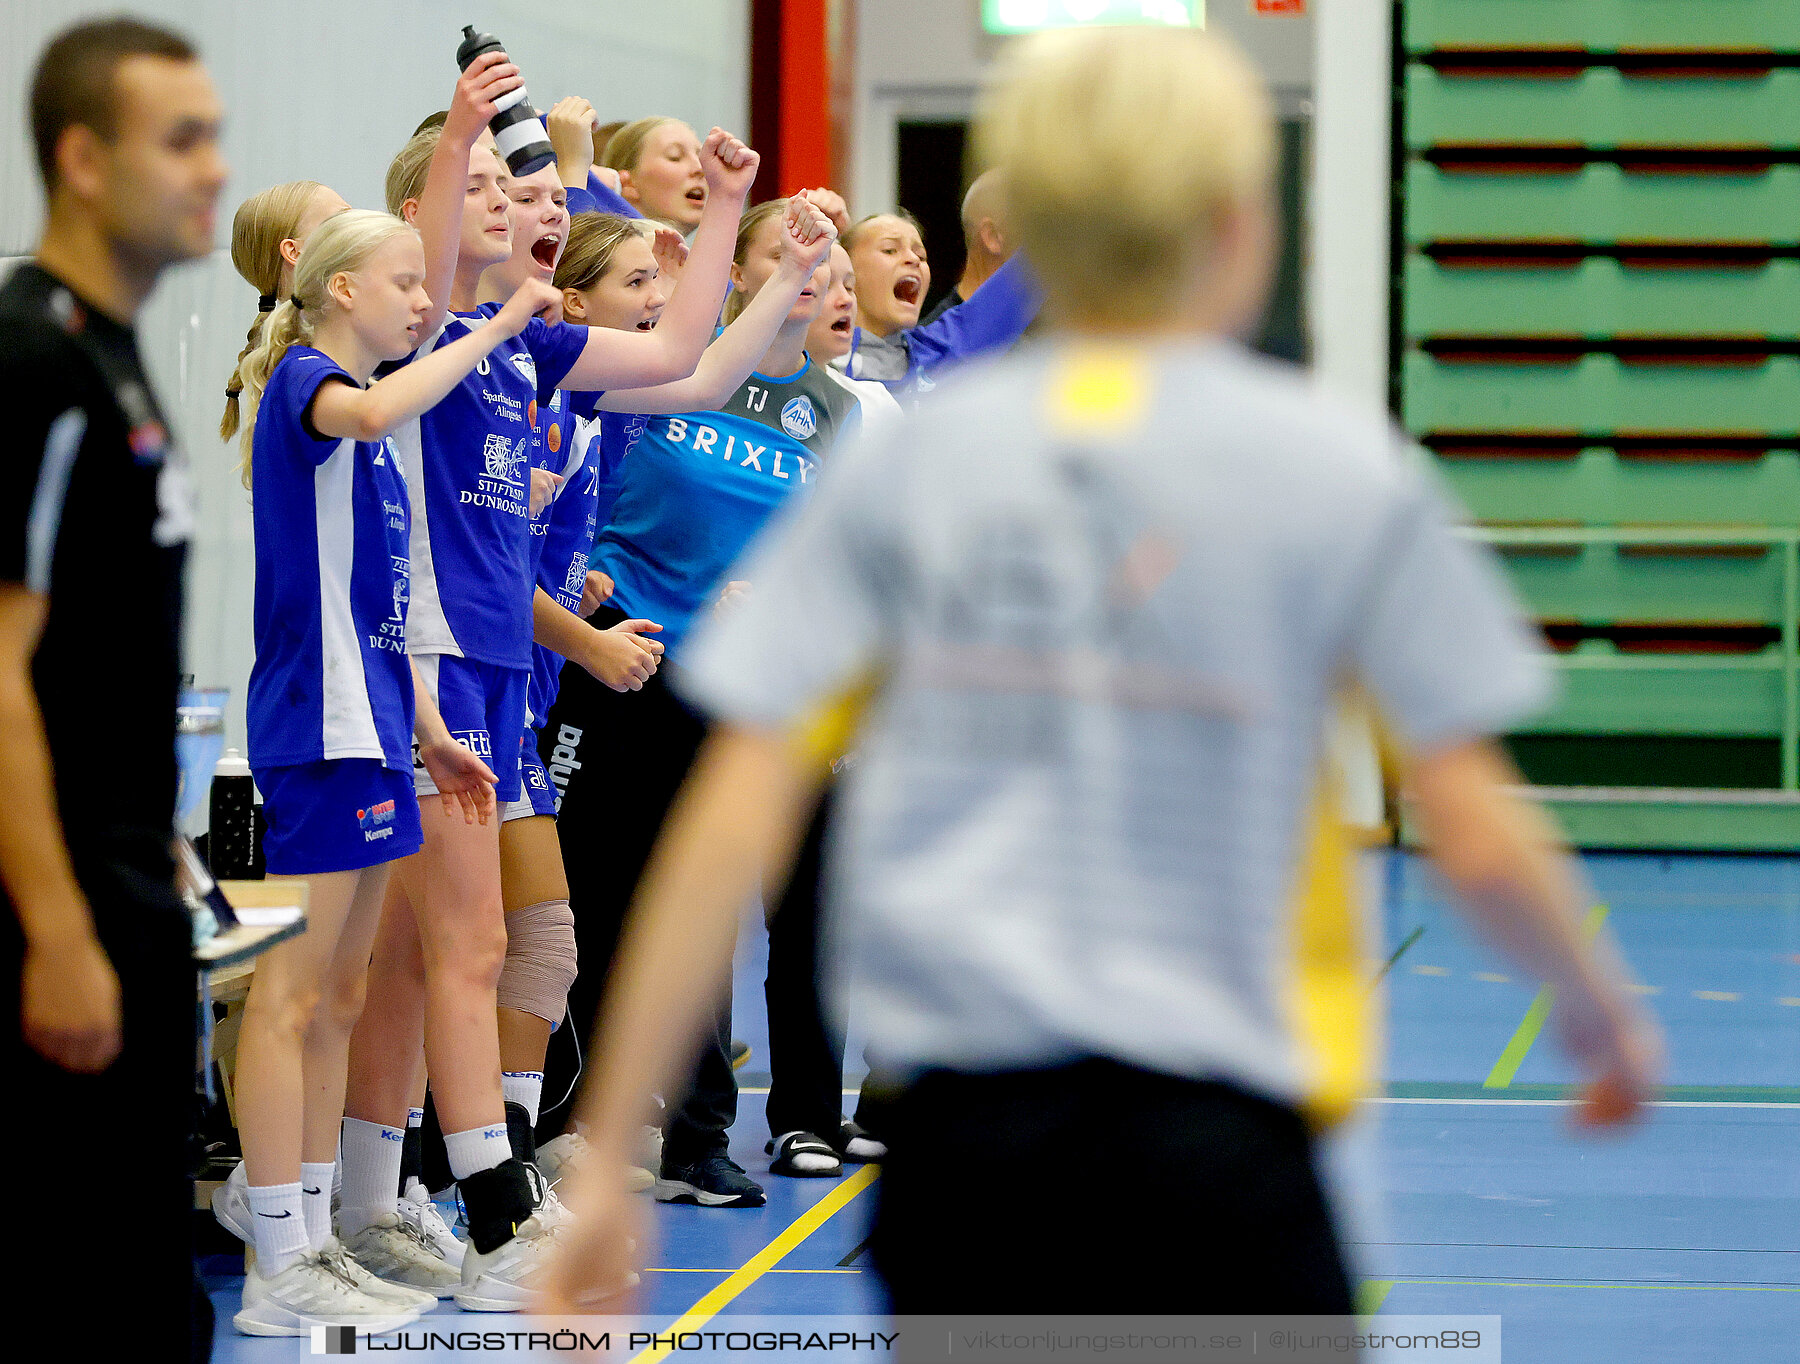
[[1439, 637], [819, 612]]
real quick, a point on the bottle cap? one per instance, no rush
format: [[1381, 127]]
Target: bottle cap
[[474, 44], [232, 764]]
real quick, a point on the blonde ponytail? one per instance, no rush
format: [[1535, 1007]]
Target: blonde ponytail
[[262, 223], [285, 327], [340, 246]]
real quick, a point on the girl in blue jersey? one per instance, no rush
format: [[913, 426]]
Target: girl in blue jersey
[[698, 485], [541, 956], [887, 344], [268, 232], [442, 944], [332, 717]]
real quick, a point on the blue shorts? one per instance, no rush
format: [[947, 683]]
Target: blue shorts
[[483, 708], [536, 795], [343, 814]]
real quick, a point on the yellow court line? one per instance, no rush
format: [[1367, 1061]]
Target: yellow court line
[[1371, 1295], [673, 1270], [1501, 1076], [765, 1259]]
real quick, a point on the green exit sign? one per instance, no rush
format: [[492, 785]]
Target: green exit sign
[[1029, 16]]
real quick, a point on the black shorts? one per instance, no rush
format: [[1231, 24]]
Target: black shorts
[[1098, 1188], [129, 1126]]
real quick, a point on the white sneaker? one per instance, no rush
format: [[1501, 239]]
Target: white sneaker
[[397, 1293], [650, 1144], [396, 1252], [504, 1279], [551, 1211], [314, 1292], [559, 1158], [231, 1204], [417, 1208]]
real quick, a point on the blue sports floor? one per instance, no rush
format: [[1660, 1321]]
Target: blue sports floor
[[1679, 1241]]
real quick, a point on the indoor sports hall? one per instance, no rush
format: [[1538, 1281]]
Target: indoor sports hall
[[1196, 601]]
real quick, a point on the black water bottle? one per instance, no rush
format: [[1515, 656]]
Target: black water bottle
[[231, 822], [517, 129]]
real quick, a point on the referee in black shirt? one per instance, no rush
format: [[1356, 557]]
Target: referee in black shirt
[[99, 1036]]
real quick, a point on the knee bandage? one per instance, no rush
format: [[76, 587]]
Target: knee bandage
[[540, 960]]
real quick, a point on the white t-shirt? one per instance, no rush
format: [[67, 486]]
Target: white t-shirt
[[1106, 644]]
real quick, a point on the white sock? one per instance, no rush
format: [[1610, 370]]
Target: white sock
[[415, 1117], [315, 1200], [478, 1149], [279, 1231], [371, 1173], [523, 1087]]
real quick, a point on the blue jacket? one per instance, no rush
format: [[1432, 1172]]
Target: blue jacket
[[993, 319]]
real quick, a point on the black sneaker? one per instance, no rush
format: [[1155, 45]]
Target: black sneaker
[[739, 1053], [714, 1181]]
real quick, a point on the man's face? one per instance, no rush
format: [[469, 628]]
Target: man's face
[[155, 185]]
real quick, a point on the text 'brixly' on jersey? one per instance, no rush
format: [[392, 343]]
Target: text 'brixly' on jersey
[[699, 486]]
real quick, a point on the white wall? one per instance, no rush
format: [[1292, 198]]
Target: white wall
[[923, 59], [328, 91], [1347, 281]]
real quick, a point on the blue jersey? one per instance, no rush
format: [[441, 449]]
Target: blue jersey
[[471, 539], [571, 522], [613, 435], [331, 678], [552, 449], [698, 487]]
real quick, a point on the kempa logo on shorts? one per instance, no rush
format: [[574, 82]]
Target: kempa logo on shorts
[[563, 762], [798, 418], [377, 821]]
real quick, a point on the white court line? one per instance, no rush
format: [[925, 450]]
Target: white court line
[[1507, 1103], [765, 1089], [1570, 1103]]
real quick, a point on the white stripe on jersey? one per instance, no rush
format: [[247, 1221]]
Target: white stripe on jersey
[[427, 627], [880, 410], [60, 449], [349, 718], [587, 431]]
